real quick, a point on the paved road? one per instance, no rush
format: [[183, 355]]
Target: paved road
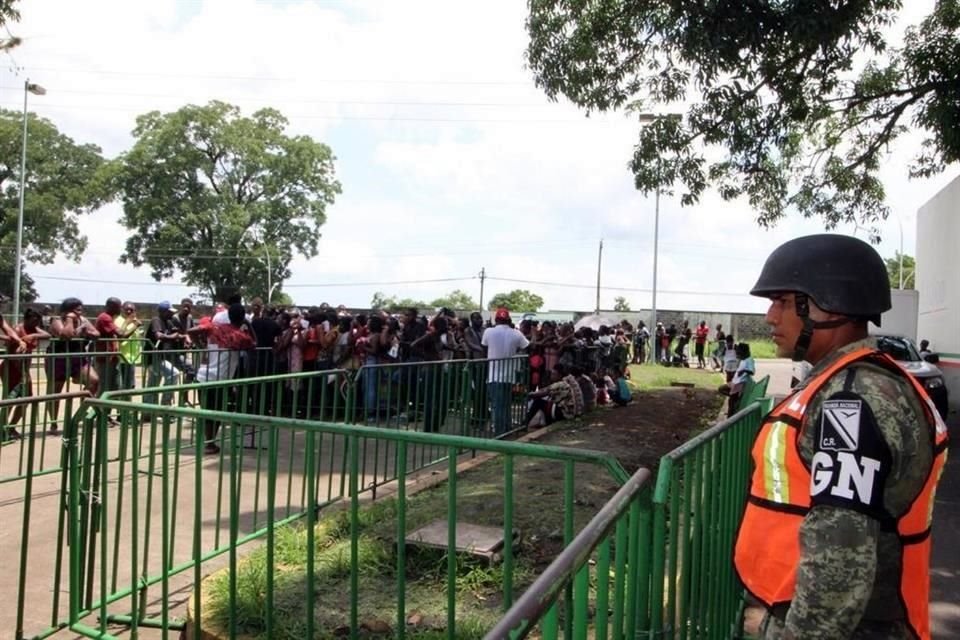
[[945, 561]]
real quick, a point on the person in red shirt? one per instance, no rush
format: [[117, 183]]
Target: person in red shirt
[[700, 343], [15, 372], [105, 363], [225, 342]]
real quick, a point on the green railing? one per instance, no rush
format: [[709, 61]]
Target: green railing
[[679, 547], [448, 397], [163, 519], [699, 497], [612, 582], [453, 396], [32, 502]]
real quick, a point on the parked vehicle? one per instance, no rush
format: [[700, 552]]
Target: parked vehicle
[[924, 369]]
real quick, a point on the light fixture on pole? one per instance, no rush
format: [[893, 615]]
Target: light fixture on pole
[[648, 118], [36, 90]]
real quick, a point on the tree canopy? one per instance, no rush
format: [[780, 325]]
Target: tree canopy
[[380, 300], [909, 270], [457, 299], [783, 109], [516, 300], [620, 304], [62, 184], [9, 13], [221, 197]]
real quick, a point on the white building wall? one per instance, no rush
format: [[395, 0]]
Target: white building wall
[[938, 281]]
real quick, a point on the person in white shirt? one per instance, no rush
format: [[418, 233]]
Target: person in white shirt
[[744, 373], [730, 359], [502, 342]]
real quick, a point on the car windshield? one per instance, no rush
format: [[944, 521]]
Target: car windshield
[[898, 348]]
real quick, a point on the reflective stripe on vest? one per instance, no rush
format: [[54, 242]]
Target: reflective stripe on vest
[[768, 546]]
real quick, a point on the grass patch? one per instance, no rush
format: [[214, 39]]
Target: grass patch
[[762, 349], [477, 583], [648, 376]]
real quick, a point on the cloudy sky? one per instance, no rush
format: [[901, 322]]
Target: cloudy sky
[[451, 160]]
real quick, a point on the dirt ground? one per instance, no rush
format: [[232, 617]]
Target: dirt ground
[[644, 430], [637, 435]]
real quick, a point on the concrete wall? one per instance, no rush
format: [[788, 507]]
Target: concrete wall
[[746, 326], [901, 319], [938, 281]]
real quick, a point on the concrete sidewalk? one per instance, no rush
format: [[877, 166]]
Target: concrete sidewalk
[[945, 560]]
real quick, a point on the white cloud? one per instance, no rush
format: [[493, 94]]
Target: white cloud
[[451, 159]]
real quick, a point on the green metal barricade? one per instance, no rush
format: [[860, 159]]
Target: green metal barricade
[[699, 497], [163, 519], [480, 398], [600, 569], [32, 510], [677, 547]]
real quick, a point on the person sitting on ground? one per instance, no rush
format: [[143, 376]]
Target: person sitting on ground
[[578, 400], [588, 389], [622, 395], [553, 403]]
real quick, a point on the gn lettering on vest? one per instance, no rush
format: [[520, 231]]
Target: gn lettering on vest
[[856, 475]]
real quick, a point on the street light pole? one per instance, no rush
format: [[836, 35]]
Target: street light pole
[[648, 118], [656, 242], [900, 256], [36, 90]]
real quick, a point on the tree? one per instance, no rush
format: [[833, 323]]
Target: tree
[[620, 304], [393, 304], [909, 270], [62, 184], [8, 13], [516, 300], [222, 198], [781, 116], [457, 299]]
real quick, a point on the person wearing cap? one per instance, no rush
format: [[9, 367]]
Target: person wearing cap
[[502, 342], [835, 535]]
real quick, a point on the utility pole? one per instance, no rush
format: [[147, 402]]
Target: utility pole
[[599, 262], [483, 276]]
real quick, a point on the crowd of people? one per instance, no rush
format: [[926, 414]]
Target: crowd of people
[[177, 345]]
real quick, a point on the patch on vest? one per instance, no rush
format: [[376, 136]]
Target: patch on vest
[[840, 430], [851, 460]]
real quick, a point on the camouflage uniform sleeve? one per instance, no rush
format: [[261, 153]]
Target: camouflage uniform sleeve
[[836, 573]]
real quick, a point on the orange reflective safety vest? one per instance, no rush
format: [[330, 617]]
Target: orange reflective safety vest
[[768, 543]]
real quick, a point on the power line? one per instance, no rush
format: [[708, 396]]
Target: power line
[[286, 286], [567, 121], [607, 288], [230, 77], [392, 103], [440, 252]]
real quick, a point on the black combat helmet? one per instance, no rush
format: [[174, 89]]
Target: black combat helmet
[[841, 274]]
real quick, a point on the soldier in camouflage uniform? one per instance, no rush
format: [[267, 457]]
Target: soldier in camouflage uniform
[[826, 556]]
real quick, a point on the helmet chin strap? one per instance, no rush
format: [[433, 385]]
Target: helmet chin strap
[[801, 303]]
